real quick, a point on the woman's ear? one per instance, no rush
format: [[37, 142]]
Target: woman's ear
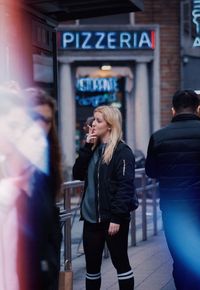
[[173, 112]]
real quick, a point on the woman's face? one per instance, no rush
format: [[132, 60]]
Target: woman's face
[[44, 117], [100, 126]]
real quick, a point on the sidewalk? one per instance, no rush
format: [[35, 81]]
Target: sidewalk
[[151, 262]]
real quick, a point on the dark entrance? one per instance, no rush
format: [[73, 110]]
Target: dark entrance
[[92, 92]]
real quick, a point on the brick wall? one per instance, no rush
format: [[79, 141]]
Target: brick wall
[[166, 13]]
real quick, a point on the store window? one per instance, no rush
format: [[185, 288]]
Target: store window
[[91, 92]]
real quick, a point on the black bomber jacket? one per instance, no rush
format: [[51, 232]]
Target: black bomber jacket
[[173, 158], [114, 183]]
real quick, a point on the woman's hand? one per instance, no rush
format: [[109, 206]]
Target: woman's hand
[[91, 136], [113, 229]]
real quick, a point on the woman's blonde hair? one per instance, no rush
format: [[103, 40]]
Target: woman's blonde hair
[[113, 118]]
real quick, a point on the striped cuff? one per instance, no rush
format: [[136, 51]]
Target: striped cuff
[[93, 276], [126, 275]]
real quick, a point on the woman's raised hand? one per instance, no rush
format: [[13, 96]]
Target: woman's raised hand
[[91, 136]]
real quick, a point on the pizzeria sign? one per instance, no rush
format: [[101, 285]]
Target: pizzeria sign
[[106, 40]]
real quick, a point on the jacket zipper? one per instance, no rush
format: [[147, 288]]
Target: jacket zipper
[[98, 195], [124, 167]]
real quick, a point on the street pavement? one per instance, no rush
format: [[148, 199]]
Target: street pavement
[[151, 263], [150, 259]]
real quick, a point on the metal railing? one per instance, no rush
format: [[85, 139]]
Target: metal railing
[[145, 187]]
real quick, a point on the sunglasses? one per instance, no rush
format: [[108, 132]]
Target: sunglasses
[[38, 117]]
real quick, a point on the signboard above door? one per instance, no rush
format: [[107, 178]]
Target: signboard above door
[[106, 40]]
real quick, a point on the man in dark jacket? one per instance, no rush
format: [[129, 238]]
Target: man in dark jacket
[[174, 159]]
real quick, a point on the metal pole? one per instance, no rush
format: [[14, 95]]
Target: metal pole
[[133, 229], [67, 232], [144, 209]]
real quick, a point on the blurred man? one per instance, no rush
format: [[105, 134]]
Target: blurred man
[[174, 159]]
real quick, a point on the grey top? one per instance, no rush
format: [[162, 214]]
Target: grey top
[[89, 201]]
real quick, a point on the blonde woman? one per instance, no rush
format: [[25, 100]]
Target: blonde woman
[[107, 165]]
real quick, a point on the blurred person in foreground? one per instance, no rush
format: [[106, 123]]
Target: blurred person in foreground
[[107, 165], [174, 159], [42, 109], [22, 147]]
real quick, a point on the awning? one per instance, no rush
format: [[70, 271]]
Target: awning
[[62, 10]]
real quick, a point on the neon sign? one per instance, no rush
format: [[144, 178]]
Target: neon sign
[[97, 100], [97, 85], [96, 91], [106, 40], [196, 21]]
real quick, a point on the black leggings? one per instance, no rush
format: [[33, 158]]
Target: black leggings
[[94, 237]]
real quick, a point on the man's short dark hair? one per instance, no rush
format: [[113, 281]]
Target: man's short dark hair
[[185, 100]]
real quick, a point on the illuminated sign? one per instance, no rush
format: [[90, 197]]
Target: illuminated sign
[[106, 40], [97, 91], [97, 84], [196, 21]]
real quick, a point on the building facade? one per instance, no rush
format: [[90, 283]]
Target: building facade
[[28, 47], [135, 61], [167, 15], [27, 30], [108, 64], [149, 55], [143, 50]]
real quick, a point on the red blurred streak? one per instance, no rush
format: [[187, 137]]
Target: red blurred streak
[[14, 36], [13, 43]]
